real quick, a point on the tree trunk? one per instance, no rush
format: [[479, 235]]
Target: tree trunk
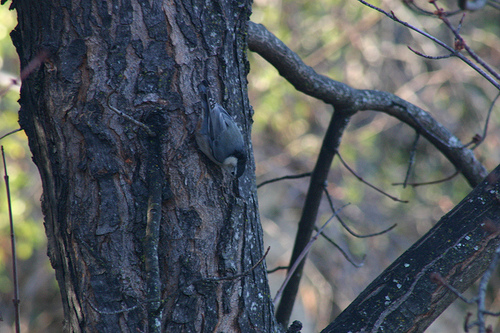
[[140, 224]]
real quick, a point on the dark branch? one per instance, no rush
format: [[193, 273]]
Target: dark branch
[[16, 299], [432, 182], [411, 163], [330, 145], [349, 230], [302, 175], [451, 50], [303, 254], [351, 100], [367, 183], [11, 132], [460, 247]]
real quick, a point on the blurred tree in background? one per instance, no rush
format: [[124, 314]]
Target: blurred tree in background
[[349, 43]]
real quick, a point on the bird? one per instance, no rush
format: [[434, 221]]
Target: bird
[[218, 136]]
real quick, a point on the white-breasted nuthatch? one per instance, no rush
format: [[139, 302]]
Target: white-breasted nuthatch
[[219, 137]]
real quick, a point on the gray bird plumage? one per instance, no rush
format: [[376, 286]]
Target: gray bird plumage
[[218, 136]]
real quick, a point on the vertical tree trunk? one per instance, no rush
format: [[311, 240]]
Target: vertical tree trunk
[[139, 225]]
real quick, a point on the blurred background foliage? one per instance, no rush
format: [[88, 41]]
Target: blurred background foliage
[[354, 44], [347, 42]]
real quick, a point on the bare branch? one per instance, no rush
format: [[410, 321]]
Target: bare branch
[[302, 255], [460, 43], [278, 268], [330, 144], [342, 251], [432, 182], [367, 183], [129, 118], [480, 139], [411, 162], [349, 230], [450, 49], [11, 132], [404, 289], [414, 7], [16, 299], [351, 100], [302, 175], [446, 56]]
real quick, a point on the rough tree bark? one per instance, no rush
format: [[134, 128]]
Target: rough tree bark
[[138, 223], [144, 232], [406, 297]]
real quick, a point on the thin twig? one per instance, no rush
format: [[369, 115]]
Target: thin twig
[[346, 227], [466, 322], [485, 129], [483, 285], [438, 279], [11, 132], [342, 251], [432, 182], [367, 183], [426, 56], [494, 314], [237, 276], [278, 268], [413, 6], [34, 64], [302, 175], [475, 139], [461, 42], [109, 312], [302, 255], [129, 118], [460, 23], [16, 299], [411, 163], [450, 49], [27, 70], [479, 299]]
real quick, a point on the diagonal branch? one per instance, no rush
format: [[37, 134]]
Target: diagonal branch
[[453, 51], [460, 247], [367, 183]]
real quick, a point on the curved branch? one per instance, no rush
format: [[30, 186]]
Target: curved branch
[[351, 100]]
